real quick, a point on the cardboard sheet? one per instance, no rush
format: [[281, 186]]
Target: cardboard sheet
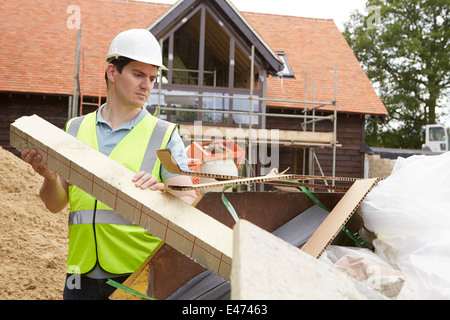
[[338, 217], [273, 177]]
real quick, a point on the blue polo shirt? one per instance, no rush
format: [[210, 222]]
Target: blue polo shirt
[[107, 140]]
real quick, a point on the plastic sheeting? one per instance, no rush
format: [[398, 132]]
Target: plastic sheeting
[[410, 212], [377, 271]]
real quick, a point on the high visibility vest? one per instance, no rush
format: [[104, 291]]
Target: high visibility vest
[[96, 232]]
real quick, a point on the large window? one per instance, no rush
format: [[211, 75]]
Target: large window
[[218, 103], [242, 68], [204, 56], [243, 104], [204, 49], [186, 45], [217, 53]]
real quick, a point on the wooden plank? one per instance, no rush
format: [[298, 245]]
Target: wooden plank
[[180, 225]]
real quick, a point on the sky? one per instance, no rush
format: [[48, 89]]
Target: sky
[[339, 11]]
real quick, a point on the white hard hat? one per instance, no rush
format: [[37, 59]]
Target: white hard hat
[[137, 44]]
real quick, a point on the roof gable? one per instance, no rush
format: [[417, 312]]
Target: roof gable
[[232, 17]]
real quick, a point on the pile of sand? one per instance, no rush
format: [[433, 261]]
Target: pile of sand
[[33, 241]]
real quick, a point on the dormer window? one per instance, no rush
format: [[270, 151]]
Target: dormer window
[[287, 71]]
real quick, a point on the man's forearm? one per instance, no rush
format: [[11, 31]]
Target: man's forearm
[[187, 196], [54, 194]]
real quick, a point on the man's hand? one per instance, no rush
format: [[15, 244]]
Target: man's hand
[[55, 190], [33, 158], [145, 180]]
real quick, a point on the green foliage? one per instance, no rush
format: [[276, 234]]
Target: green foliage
[[404, 48]]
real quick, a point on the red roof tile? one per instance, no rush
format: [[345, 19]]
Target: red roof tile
[[37, 50], [313, 48]]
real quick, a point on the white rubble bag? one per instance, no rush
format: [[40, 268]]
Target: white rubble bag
[[410, 212], [375, 271]]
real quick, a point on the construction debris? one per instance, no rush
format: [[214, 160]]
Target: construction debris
[[408, 259]]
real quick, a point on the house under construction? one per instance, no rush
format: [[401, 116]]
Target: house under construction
[[228, 70]]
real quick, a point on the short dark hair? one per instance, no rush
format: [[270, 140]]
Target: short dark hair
[[119, 63]]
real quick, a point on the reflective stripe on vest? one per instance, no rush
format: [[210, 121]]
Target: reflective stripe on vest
[[155, 143], [74, 126], [96, 232], [101, 216]]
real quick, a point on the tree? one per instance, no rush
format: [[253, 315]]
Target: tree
[[404, 48]]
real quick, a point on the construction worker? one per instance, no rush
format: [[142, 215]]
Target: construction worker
[[103, 244]]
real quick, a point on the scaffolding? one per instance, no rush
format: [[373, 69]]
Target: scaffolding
[[77, 101], [307, 119]]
